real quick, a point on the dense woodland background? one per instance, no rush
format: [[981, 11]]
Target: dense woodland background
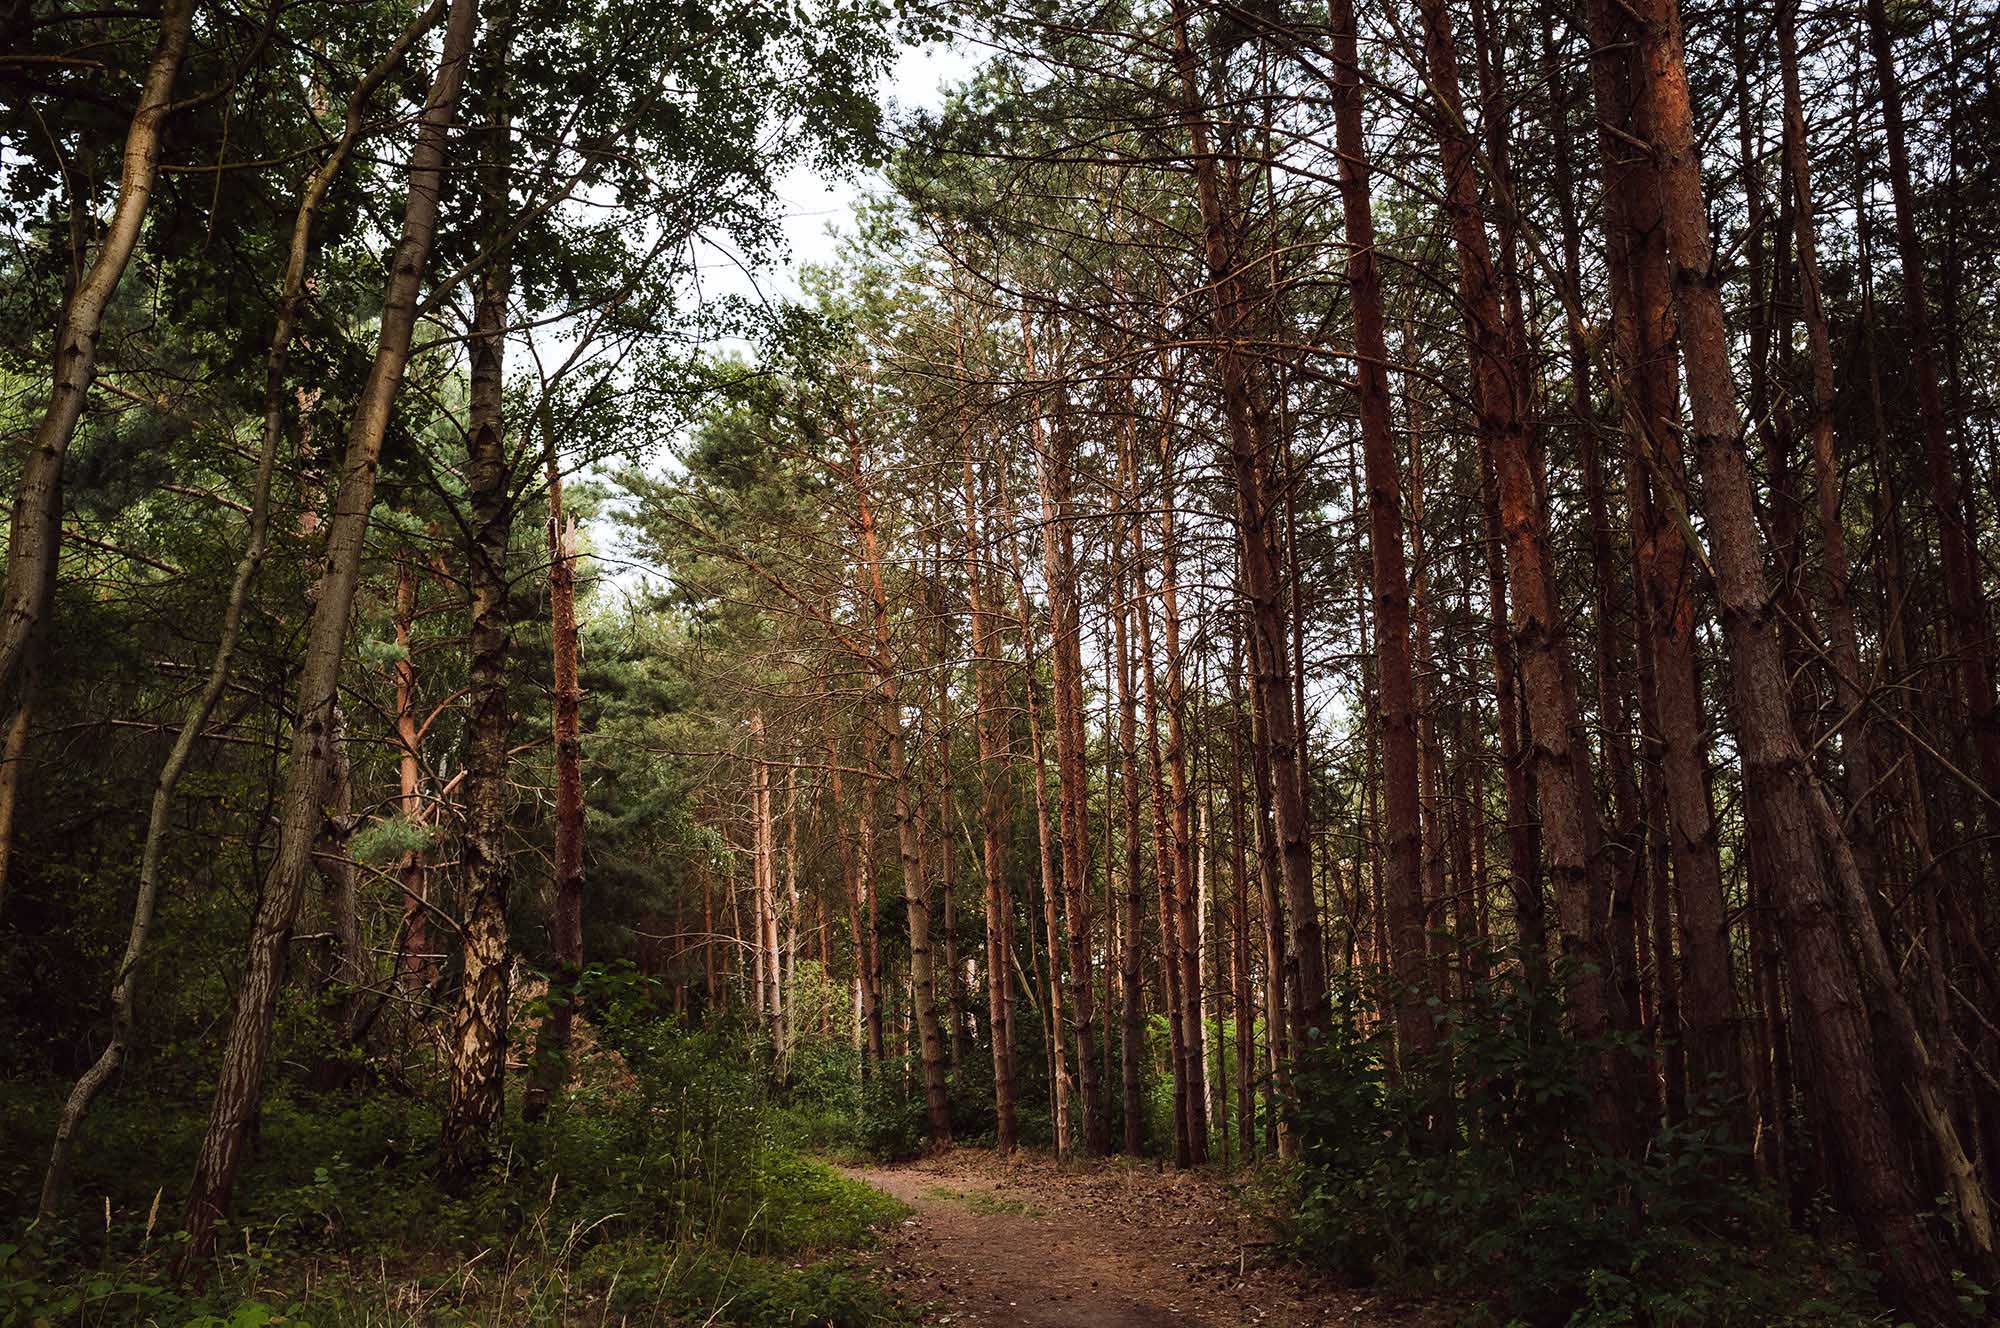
[[1396, 603]]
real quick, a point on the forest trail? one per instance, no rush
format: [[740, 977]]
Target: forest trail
[[1031, 1243]]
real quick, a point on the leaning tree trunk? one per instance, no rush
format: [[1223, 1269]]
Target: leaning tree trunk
[[1958, 551], [1775, 773], [477, 1094], [240, 1081], [1843, 644], [35, 531]]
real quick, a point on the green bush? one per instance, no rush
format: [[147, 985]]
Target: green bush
[[1518, 1210], [680, 1165], [893, 1124]]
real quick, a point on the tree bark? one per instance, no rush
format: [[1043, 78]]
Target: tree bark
[[916, 892], [1053, 457], [477, 1094], [1966, 638], [1125, 599], [34, 540], [240, 1080], [1777, 793], [1059, 1091], [1234, 307], [1416, 1032], [1171, 969], [990, 728], [552, 1050], [1571, 832], [291, 303], [1186, 903]]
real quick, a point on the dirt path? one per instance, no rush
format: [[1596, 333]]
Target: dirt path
[[1029, 1244]]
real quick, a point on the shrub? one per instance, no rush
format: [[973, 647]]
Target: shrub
[[1519, 1210], [681, 1166]]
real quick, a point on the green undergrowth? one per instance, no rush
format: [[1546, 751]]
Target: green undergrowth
[[1516, 1211], [675, 1193]]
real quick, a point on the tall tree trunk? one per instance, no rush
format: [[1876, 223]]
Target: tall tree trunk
[[916, 891], [1571, 833], [1278, 972], [1835, 598], [871, 958], [1608, 587], [1125, 600], [1171, 969], [415, 964], [1187, 941], [1053, 455], [1966, 638], [552, 1067], [240, 1080], [346, 972], [1239, 968], [990, 728], [1236, 311], [1644, 314], [1777, 792], [1059, 1085], [1416, 1033], [477, 1095]]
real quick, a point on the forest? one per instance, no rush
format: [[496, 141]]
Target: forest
[[1324, 664]]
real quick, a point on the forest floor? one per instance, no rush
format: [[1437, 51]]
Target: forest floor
[[1028, 1242]]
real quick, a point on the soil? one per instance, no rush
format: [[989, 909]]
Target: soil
[[1028, 1242]]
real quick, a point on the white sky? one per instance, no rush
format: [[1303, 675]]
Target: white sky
[[819, 208]]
